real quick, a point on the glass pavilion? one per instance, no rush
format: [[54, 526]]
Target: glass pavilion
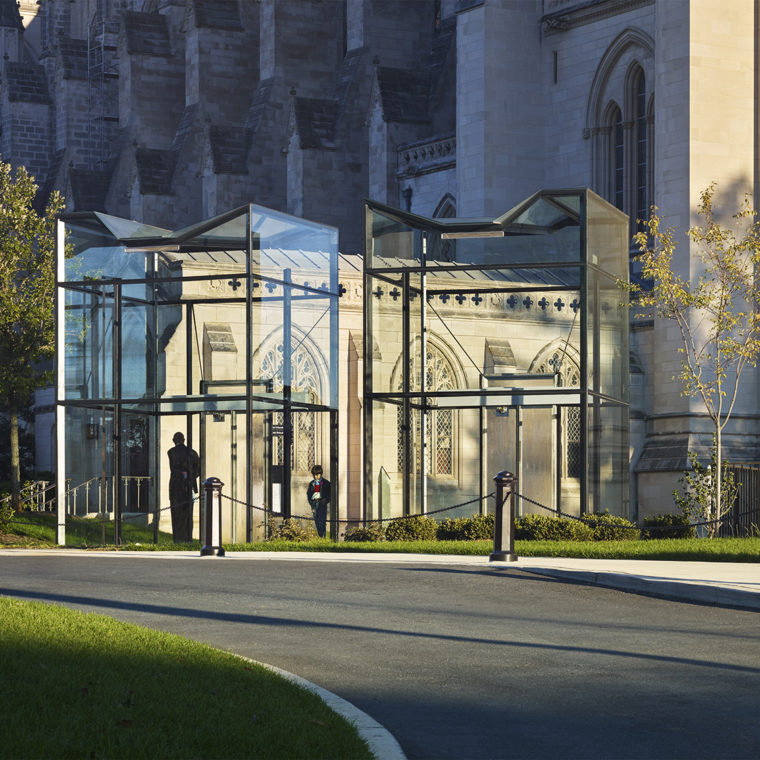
[[196, 331], [497, 344]]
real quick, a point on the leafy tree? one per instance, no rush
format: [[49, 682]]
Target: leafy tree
[[698, 490], [716, 314], [27, 294]]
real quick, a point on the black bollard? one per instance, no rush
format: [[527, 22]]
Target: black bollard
[[504, 519], [211, 523]]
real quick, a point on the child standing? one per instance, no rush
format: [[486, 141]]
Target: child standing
[[318, 494]]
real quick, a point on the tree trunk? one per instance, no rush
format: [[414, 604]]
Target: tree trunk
[[715, 527], [15, 459]]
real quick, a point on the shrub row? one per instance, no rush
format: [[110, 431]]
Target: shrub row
[[591, 527], [600, 526], [597, 527], [668, 526], [423, 528]]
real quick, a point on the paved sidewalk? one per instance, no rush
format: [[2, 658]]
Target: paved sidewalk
[[735, 584]]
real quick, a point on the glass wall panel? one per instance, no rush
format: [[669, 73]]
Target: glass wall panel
[[311, 338], [502, 333], [608, 457], [385, 469], [394, 244], [166, 324], [538, 471], [614, 352], [276, 231], [419, 447], [455, 471], [520, 245], [607, 237], [105, 262], [501, 446], [88, 354], [89, 461], [137, 466], [607, 329], [137, 348]]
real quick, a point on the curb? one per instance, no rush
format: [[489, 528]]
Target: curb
[[671, 590], [381, 742]]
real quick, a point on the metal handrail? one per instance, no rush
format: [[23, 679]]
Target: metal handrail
[[36, 495], [32, 494], [105, 491]]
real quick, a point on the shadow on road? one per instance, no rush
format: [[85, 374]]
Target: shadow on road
[[263, 620]]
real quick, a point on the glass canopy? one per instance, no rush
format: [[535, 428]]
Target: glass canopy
[[226, 332], [496, 344]]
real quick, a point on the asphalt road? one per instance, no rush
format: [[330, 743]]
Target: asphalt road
[[456, 661]]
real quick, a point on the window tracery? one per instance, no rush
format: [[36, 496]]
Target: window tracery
[[568, 374], [440, 424], [305, 379]]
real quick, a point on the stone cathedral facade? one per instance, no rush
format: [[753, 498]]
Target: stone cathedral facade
[[171, 111]]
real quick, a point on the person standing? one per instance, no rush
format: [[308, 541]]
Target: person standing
[[184, 466], [318, 494]]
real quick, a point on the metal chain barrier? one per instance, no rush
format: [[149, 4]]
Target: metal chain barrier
[[272, 513], [671, 528], [556, 512]]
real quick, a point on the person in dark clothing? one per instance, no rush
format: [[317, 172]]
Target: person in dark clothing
[[318, 494], [184, 465]]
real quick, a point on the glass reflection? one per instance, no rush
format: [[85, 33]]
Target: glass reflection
[[225, 331], [514, 332]]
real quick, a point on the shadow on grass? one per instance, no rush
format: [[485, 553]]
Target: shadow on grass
[[90, 686]]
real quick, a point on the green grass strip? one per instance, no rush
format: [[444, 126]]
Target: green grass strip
[[684, 549], [369, 547], [84, 533], [681, 549], [75, 685]]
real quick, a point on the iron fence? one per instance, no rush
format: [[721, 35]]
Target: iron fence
[[744, 516]]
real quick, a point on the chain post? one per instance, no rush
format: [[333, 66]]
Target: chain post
[[504, 519], [211, 522]]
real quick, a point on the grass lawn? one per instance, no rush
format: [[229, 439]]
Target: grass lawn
[[84, 685], [691, 549], [38, 529]]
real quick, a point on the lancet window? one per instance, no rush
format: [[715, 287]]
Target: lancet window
[[305, 378], [440, 424]]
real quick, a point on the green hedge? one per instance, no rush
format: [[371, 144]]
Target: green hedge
[[667, 526], [419, 528], [369, 532], [473, 528], [607, 527], [549, 528], [593, 527]]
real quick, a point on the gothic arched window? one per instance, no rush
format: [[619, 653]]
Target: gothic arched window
[[620, 123], [628, 183], [568, 374], [641, 142], [305, 378], [617, 159], [440, 424], [444, 250]]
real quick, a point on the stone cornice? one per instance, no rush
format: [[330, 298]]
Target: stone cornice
[[562, 15], [426, 156]]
